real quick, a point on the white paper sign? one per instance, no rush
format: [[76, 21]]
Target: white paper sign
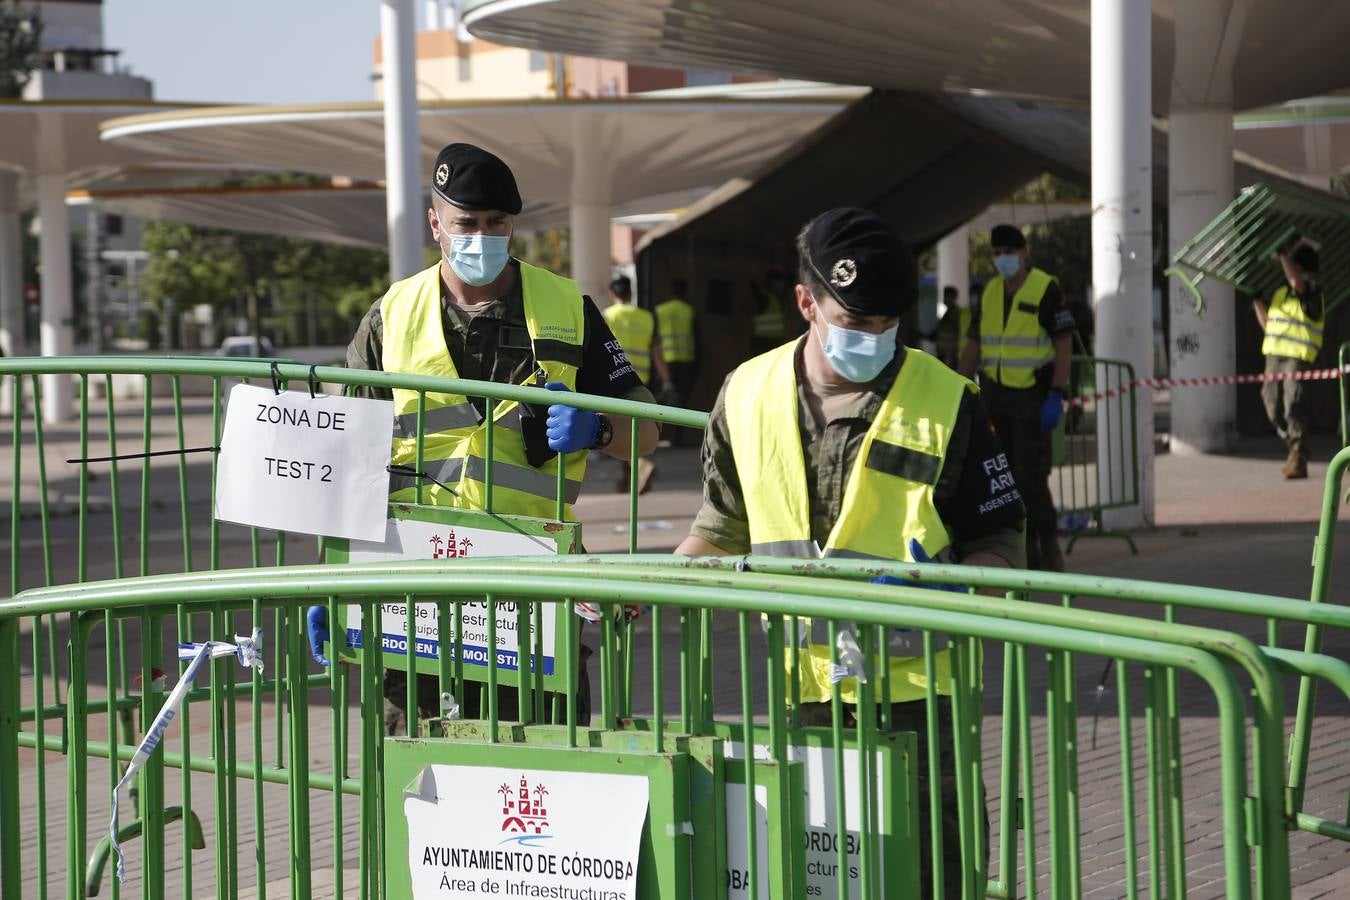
[[738, 860], [483, 831], [822, 857], [407, 539], [312, 465]]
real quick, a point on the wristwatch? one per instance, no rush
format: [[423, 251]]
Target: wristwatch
[[604, 434]]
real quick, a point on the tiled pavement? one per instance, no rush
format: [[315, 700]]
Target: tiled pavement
[[1222, 521]]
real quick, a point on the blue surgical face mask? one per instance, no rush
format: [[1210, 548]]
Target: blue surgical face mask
[[1008, 264], [477, 258], [858, 356]]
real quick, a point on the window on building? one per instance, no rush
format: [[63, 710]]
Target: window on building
[[112, 225], [538, 61]]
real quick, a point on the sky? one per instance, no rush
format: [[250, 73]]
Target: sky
[[248, 51]]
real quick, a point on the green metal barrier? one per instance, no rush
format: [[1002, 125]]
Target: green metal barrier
[[1238, 248], [687, 590], [1343, 358], [264, 729], [1097, 469]]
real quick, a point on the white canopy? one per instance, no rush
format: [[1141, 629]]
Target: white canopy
[[350, 215], [648, 147], [1031, 48]]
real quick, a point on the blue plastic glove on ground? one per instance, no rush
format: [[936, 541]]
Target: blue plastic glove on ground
[[1052, 409], [316, 625], [920, 556], [570, 429]]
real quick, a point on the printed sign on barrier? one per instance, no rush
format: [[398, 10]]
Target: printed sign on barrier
[[894, 788], [524, 833], [432, 533], [305, 464]]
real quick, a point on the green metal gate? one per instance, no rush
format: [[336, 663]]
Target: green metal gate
[[1238, 248], [286, 786]]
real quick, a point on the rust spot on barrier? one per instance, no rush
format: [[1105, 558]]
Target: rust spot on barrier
[[552, 527]]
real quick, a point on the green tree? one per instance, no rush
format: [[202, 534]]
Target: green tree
[[293, 290], [20, 41]]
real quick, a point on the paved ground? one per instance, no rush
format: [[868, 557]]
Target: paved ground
[[1224, 521]]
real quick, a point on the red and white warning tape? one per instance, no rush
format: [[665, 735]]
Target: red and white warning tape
[[1209, 381]]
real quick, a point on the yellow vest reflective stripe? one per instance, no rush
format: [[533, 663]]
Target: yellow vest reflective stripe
[[888, 499], [454, 448], [675, 318], [1014, 346], [633, 328], [1290, 331]]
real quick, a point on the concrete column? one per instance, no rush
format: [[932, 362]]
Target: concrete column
[[11, 267], [57, 333], [1122, 234], [434, 12], [590, 213], [405, 211], [1200, 185], [953, 262]]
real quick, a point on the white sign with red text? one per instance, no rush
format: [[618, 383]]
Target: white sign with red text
[[484, 831], [411, 539]]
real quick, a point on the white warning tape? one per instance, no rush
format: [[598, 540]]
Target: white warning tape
[[249, 651], [1209, 381]]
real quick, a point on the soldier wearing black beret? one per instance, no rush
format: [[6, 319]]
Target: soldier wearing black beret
[[479, 314], [845, 442], [1020, 340]]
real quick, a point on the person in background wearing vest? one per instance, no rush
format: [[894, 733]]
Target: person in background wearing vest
[[948, 337], [1293, 326], [677, 324], [845, 442], [1021, 341], [479, 314], [635, 328], [769, 327]]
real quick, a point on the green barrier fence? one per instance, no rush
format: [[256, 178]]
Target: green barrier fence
[[1252, 799], [1238, 247], [1343, 358], [725, 674], [1096, 468]]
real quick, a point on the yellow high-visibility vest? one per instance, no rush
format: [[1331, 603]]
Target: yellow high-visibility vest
[[633, 328], [1290, 331], [675, 319], [768, 322], [454, 448], [1014, 346], [888, 499]]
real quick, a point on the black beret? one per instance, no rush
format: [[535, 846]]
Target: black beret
[[862, 262], [1305, 255], [472, 178], [1007, 236]]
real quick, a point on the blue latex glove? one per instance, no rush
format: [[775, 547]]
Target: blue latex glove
[[920, 556], [570, 429], [316, 625], [1052, 409]]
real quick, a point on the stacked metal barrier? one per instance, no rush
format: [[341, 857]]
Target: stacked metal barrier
[[288, 778]]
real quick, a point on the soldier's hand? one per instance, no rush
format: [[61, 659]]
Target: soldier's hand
[[570, 429], [316, 626], [1052, 409]]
